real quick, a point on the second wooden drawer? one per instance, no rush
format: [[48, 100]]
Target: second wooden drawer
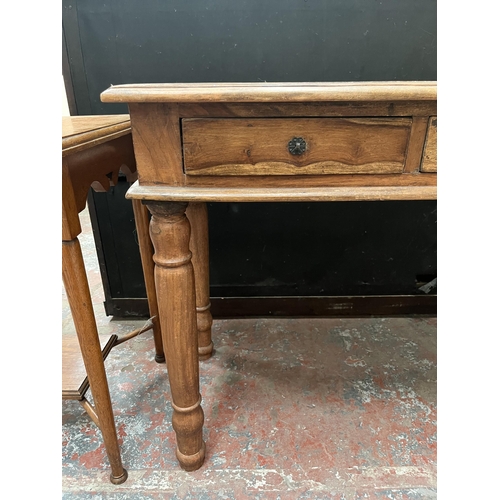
[[294, 146]]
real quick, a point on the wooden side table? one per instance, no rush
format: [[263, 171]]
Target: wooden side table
[[94, 150], [260, 142]]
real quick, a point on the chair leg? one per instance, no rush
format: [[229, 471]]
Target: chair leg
[[141, 215], [80, 302], [198, 244]]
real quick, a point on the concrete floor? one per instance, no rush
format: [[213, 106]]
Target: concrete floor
[[294, 409]]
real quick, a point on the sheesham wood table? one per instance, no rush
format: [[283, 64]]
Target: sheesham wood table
[[94, 150], [246, 142]]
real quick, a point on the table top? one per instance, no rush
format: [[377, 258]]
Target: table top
[[272, 92], [81, 132], [94, 150]]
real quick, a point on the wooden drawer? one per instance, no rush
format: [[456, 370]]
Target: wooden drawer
[[429, 158], [237, 146]]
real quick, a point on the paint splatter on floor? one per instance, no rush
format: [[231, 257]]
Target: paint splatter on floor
[[294, 408]]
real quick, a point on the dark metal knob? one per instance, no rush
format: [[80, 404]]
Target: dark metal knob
[[297, 146]]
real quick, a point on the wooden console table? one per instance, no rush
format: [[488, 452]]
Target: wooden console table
[[240, 142]]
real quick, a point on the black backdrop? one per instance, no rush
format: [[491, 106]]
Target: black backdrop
[[262, 249]]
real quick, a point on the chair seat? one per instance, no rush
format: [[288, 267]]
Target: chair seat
[[75, 382]]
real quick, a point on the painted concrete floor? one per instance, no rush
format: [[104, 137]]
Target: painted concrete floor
[[324, 408]]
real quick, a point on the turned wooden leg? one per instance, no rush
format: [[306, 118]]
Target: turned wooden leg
[[80, 302], [141, 215], [198, 244], [174, 278]]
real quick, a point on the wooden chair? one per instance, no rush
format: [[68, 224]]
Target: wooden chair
[[94, 150]]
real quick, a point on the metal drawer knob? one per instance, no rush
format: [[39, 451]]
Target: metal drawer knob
[[297, 146]]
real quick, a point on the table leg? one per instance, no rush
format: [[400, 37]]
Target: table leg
[[175, 288], [141, 216], [80, 302], [198, 244]]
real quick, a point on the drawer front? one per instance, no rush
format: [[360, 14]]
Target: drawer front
[[429, 158], [294, 146]]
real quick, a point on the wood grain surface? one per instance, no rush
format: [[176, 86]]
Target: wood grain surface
[[307, 109], [416, 144], [429, 160], [320, 193], [260, 146], [83, 132], [74, 377], [157, 143], [271, 92]]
